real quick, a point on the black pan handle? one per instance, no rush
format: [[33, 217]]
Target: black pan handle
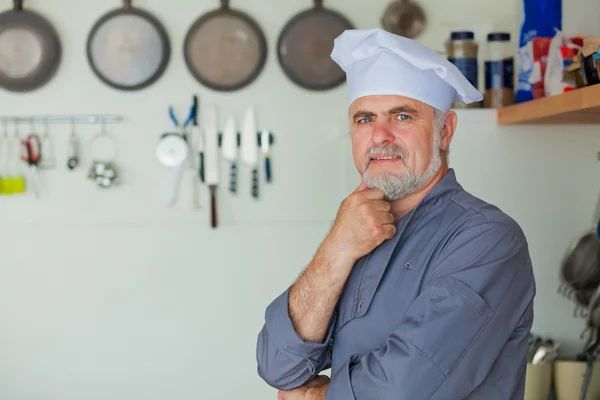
[[18, 5], [127, 4], [225, 4], [318, 4]]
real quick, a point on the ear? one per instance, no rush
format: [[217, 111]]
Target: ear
[[449, 129]]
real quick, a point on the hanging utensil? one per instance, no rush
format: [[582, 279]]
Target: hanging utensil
[[225, 49], [30, 50], [31, 154], [48, 159], [229, 151], [212, 159], [199, 135], [580, 267], [172, 151], [73, 157], [305, 44], [103, 171], [265, 145], [249, 147], [405, 18], [128, 48]]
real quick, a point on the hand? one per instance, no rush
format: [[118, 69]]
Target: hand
[[362, 223], [308, 391]]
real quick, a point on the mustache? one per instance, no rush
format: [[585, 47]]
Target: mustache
[[390, 149]]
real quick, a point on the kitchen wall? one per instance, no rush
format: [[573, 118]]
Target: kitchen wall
[[109, 294]]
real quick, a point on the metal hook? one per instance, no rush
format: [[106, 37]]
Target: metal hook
[[72, 127], [31, 124]]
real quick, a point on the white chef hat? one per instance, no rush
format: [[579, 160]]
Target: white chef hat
[[379, 62]]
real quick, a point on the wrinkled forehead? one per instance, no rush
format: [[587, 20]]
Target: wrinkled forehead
[[382, 104]]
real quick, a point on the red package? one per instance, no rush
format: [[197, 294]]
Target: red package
[[540, 56]]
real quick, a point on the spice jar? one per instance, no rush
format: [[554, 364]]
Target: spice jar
[[461, 51], [499, 71]]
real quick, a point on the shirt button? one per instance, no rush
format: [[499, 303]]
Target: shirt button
[[408, 265], [360, 303]]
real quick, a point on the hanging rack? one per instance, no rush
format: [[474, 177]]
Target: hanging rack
[[63, 119]]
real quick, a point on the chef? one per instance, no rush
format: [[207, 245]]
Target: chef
[[420, 290]]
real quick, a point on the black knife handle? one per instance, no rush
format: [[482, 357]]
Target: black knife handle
[[255, 183], [233, 178], [202, 167], [268, 168]]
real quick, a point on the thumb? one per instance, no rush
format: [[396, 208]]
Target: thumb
[[363, 185]]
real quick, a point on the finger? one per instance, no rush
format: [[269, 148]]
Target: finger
[[280, 396], [363, 185], [385, 218], [372, 194], [389, 230], [381, 205]]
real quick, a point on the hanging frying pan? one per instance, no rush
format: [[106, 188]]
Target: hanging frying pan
[[225, 49], [128, 48], [305, 45], [30, 50], [405, 18]]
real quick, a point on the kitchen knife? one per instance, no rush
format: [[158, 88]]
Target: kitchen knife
[[265, 146], [250, 148], [211, 158], [197, 131], [229, 151]]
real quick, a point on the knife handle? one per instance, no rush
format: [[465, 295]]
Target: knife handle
[[268, 168], [202, 167], [255, 183], [213, 207], [233, 178]]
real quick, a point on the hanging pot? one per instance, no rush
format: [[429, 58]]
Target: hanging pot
[[405, 18], [30, 50]]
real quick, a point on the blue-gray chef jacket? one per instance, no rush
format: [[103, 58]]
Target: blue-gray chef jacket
[[442, 311]]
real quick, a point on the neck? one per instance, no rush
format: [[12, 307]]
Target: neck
[[405, 205]]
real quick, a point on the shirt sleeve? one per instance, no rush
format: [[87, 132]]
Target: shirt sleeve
[[479, 291], [285, 361]]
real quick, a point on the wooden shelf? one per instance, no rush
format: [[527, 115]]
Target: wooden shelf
[[580, 106]]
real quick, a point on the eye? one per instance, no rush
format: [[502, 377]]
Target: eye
[[403, 117], [365, 120]]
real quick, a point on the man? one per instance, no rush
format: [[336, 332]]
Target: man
[[420, 290]]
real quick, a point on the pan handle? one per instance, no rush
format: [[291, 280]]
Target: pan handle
[[225, 4], [18, 5], [318, 4], [127, 4]]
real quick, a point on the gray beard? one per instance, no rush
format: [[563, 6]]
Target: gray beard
[[397, 187]]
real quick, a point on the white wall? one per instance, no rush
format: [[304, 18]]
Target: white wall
[[107, 294]]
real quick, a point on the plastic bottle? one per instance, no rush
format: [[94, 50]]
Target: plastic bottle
[[462, 51], [499, 71]]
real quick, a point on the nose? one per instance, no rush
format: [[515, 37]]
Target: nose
[[382, 133]]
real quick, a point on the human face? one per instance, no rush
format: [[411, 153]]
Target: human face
[[396, 143]]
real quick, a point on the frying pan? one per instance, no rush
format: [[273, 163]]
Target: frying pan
[[30, 50], [580, 267], [225, 49], [128, 48], [305, 44], [405, 18]]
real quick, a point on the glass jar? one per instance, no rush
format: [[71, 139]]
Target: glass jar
[[499, 71], [461, 50]]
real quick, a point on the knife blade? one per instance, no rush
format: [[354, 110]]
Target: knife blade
[[250, 147], [265, 144], [211, 161], [229, 151]]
